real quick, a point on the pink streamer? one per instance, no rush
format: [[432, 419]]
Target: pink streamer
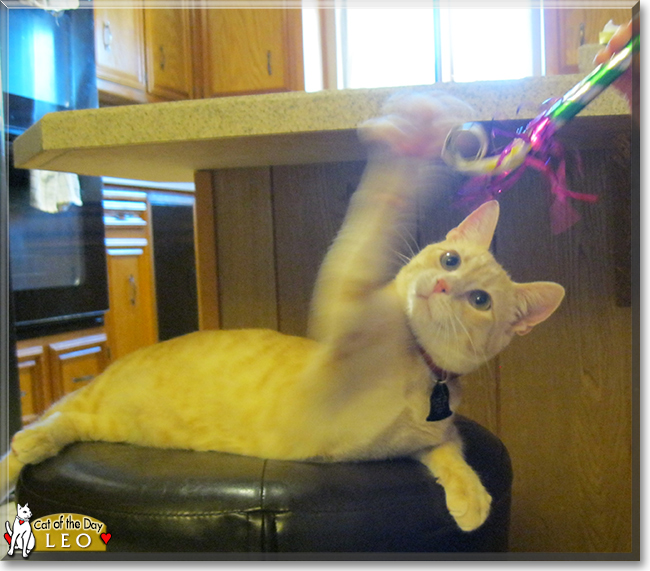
[[544, 152]]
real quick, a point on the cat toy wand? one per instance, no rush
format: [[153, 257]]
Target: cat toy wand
[[533, 145]]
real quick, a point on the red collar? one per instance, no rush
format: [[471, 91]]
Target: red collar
[[438, 373]]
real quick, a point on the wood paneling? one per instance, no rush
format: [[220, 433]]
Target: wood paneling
[[309, 203], [565, 390], [206, 251], [245, 248]]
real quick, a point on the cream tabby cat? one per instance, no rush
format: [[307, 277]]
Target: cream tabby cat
[[360, 387]]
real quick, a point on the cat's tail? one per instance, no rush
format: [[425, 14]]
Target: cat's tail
[[10, 468]]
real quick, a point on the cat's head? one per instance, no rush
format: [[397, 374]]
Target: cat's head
[[23, 511], [461, 305]]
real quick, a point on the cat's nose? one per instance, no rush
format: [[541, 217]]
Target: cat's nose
[[441, 286]]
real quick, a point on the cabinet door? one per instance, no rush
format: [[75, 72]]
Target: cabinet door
[[130, 320], [32, 372], [119, 51], [168, 51], [250, 50], [76, 362]]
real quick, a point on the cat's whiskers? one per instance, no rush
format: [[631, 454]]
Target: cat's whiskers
[[481, 354], [402, 257], [411, 243]]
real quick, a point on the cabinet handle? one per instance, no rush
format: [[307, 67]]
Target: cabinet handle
[[268, 62], [107, 35], [83, 379], [162, 58], [134, 289], [581, 34]]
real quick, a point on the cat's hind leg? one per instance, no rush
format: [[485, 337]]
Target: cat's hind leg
[[467, 500]]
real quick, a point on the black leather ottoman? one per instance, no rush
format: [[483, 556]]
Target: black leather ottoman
[[154, 500]]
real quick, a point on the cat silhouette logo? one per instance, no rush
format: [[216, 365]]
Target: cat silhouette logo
[[20, 536], [56, 532]]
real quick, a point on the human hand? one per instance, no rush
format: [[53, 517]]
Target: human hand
[[618, 41]]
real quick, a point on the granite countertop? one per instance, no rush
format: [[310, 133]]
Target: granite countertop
[[170, 141]]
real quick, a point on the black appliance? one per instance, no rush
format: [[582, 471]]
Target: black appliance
[[172, 225], [57, 260]]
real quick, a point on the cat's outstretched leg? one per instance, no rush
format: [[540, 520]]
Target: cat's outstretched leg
[[467, 500], [362, 259], [46, 437]]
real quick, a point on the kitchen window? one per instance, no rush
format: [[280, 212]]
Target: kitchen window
[[420, 44]]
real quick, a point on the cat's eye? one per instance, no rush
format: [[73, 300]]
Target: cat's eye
[[450, 260], [480, 299]]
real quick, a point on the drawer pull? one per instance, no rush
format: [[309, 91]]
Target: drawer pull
[[83, 379]]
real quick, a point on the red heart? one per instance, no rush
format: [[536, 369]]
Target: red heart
[[22, 521], [8, 538], [106, 537]]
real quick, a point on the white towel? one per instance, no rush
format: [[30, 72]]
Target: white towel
[[54, 191], [53, 5]]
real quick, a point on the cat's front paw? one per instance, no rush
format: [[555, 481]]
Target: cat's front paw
[[467, 500], [415, 124]]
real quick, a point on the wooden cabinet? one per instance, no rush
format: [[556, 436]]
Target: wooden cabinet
[[251, 51], [119, 52], [51, 367], [565, 30], [131, 318], [142, 55], [157, 54], [151, 263], [168, 49]]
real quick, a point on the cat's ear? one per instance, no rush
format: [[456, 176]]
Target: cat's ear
[[479, 226], [537, 301]]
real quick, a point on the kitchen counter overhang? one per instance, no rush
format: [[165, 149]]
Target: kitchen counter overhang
[[172, 141]]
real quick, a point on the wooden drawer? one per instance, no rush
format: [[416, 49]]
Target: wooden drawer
[[52, 366], [76, 362]]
